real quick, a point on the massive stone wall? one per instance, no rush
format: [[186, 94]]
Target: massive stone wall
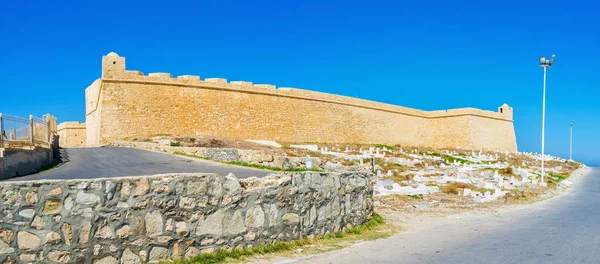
[[71, 134], [128, 104], [142, 219]]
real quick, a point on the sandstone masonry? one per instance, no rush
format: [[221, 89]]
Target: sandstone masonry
[[127, 104], [145, 219]]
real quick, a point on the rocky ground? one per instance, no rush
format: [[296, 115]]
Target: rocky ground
[[413, 186]]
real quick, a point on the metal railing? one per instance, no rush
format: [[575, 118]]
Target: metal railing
[[16, 132]]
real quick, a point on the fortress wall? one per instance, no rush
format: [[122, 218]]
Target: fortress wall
[[71, 134], [129, 104], [492, 134], [93, 107], [136, 110]]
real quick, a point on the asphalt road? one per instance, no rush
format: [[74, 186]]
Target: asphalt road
[[563, 229], [109, 162]]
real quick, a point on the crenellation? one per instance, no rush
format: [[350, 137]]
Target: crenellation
[[241, 84], [288, 114], [266, 86], [134, 73], [163, 75], [189, 77], [220, 81]]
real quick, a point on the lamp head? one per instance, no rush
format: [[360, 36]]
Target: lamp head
[[542, 60]]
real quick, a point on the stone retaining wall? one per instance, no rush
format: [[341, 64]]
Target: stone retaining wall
[[19, 162], [145, 219], [258, 157]]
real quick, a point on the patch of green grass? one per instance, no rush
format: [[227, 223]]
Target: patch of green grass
[[222, 256], [451, 159], [381, 146], [263, 167], [135, 139], [246, 164], [175, 144], [190, 155], [558, 177], [147, 140], [416, 196]]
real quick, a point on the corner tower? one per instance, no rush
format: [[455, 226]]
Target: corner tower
[[112, 63], [506, 110]]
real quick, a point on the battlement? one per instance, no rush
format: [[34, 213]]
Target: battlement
[[114, 70]]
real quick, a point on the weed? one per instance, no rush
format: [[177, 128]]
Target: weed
[[558, 177], [190, 155], [221, 256], [455, 187], [508, 170], [416, 196], [147, 140], [175, 144], [381, 146]]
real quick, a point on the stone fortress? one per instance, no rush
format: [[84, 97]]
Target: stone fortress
[[128, 104]]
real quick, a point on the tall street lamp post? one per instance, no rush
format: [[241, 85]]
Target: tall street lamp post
[[571, 144], [544, 64]]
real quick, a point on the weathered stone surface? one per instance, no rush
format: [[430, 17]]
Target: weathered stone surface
[[106, 260], [5, 248], [52, 206], [191, 251], [187, 203], [6, 234], [215, 213], [164, 239], [52, 238], [59, 256], [141, 187], [212, 224], [38, 223], [177, 251], [196, 187], [273, 213], [105, 232], [26, 240], [158, 253], [154, 223], [124, 231], [126, 189], [255, 217], [87, 198], [129, 257], [109, 187], [26, 257], [182, 229], [234, 223], [84, 234], [55, 192], [31, 197], [67, 233], [69, 203], [27, 213], [291, 219]]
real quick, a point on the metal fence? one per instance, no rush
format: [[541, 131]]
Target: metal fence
[[23, 132]]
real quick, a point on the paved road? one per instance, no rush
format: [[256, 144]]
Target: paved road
[[564, 229], [107, 162]]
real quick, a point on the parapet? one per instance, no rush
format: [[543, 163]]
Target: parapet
[[114, 71], [68, 125]]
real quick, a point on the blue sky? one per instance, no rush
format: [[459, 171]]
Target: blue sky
[[423, 54]]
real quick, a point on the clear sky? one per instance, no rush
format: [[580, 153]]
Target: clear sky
[[428, 55]]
